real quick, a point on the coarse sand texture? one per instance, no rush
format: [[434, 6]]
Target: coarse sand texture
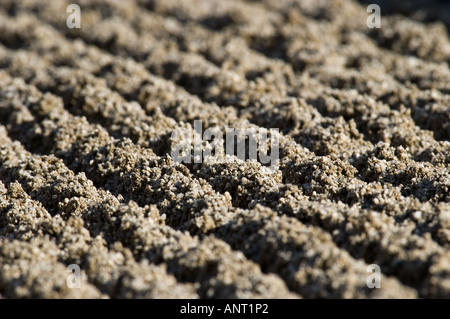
[[87, 117]]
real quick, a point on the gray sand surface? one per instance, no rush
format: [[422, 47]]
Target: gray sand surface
[[86, 177]]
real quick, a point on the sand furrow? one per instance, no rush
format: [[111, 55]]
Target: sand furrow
[[262, 192], [87, 123], [299, 268], [134, 231]]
